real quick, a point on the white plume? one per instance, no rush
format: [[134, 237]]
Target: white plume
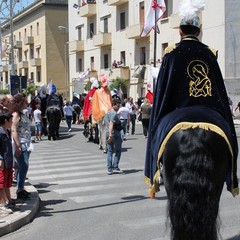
[[188, 9]]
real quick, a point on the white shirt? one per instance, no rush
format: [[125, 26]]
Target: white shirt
[[37, 115], [123, 113]]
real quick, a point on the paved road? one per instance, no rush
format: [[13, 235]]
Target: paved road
[[80, 201]]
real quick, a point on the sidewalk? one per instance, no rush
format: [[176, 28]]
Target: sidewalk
[[24, 213]]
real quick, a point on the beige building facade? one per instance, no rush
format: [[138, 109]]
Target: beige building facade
[[109, 30], [39, 41]]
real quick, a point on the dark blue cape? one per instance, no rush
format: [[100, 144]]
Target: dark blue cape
[[189, 76]]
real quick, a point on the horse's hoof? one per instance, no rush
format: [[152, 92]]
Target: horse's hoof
[[49, 138]]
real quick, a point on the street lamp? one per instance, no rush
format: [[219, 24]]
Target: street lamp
[[64, 29]]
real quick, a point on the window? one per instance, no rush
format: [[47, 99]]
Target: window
[[105, 25], [91, 29], [19, 36], [143, 56], [38, 52], [92, 63], [38, 76], [123, 57], [31, 30], [122, 21], [25, 32], [142, 15], [31, 52], [105, 61], [20, 55], [25, 55], [79, 32], [166, 14], [80, 65], [32, 75], [164, 46], [37, 28]]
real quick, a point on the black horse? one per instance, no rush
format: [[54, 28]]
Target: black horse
[[195, 163], [54, 117]]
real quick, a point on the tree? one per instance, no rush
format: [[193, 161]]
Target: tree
[[119, 84], [30, 90]]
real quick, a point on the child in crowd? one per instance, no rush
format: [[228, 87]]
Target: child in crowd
[[37, 115], [6, 163]]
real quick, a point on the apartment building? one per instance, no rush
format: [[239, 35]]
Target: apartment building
[[39, 41], [102, 31]]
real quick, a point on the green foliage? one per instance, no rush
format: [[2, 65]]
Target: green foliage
[[4, 91], [117, 84], [30, 90]]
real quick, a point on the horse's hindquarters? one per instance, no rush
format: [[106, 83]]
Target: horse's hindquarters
[[195, 164]]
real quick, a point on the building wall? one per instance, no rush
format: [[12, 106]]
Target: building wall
[[232, 47], [48, 42]]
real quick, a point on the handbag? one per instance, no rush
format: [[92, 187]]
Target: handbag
[[140, 117], [118, 126]]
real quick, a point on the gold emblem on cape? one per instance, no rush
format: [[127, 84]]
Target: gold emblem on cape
[[200, 84]]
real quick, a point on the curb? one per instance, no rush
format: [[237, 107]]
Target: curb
[[26, 213]]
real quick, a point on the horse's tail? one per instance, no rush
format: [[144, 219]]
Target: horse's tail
[[194, 199]]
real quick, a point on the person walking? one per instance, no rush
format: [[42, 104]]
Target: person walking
[[145, 111], [114, 138], [37, 116], [21, 134], [133, 110], [124, 116], [68, 111]]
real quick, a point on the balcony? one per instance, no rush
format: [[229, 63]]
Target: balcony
[[4, 68], [93, 73], [10, 67], [28, 40], [23, 64], [76, 46], [134, 31], [117, 2], [88, 10], [102, 39], [35, 62], [121, 72], [17, 44]]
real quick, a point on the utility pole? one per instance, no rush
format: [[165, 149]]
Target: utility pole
[[7, 14]]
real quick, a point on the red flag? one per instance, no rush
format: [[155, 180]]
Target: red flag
[[155, 5]]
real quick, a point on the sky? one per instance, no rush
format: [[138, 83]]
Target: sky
[[18, 6]]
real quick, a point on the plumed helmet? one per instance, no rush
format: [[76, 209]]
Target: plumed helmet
[[104, 80], [94, 82], [189, 10], [149, 86]]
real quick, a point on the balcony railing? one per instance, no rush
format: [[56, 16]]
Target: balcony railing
[[4, 68], [23, 64], [35, 62], [102, 39], [17, 44], [93, 73], [88, 10], [76, 46], [121, 72], [134, 31], [28, 40], [117, 2]]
